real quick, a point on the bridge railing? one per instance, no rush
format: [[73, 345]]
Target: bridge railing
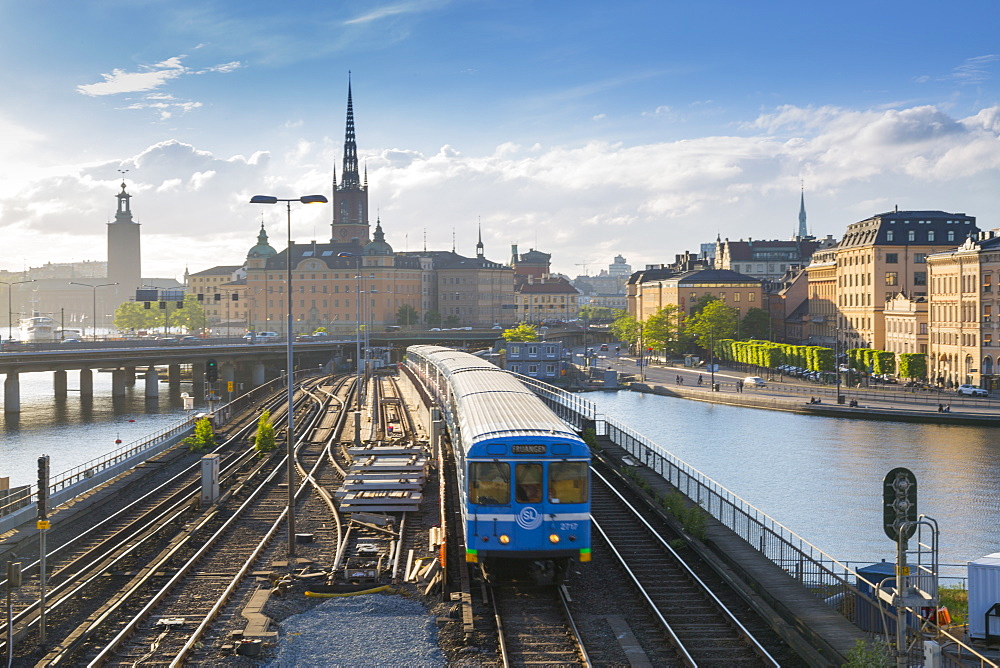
[[26, 495], [832, 581]]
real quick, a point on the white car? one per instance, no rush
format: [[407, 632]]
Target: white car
[[972, 391], [754, 381]]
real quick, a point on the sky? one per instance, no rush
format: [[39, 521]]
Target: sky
[[584, 129]]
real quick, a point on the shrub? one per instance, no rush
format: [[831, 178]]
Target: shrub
[[203, 437], [264, 441]]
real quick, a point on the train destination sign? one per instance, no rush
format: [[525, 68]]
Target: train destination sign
[[528, 449]]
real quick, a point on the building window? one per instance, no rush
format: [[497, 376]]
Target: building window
[[987, 312], [987, 282], [911, 235], [951, 235], [892, 258], [987, 339], [736, 296], [920, 278], [889, 235], [751, 296], [930, 236], [920, 258], [891, 278]]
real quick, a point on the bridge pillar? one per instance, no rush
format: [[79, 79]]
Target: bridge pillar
[[228, 375], [12, 393], [130, 376], [257, 374], [59, 383], [174, 377], [87, 383], [117, 382], [152, 382]]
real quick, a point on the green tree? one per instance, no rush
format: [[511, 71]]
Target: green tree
[[662, 329], [134, 316], [597, 313], [451, 320], [203, 437], [264, 441], [625, 328], [913, 365], [714, 321], [522, 332], [432, 318], [756, 324], [702, 302], [407, 316]]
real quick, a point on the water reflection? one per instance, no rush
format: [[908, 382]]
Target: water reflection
[[76, 429], [822, 477]]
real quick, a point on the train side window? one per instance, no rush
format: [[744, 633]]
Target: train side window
[[489, 483], [529, 483], [568, 482]]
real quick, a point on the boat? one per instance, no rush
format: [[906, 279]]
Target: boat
[[38, 327]]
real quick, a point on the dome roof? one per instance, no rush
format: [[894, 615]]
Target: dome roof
[[378, 245], [262, 250]]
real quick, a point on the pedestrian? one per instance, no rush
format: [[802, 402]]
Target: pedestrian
[[947, 408], [700, 379], [940, 408]]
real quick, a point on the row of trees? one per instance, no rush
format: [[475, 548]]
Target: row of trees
[[821, 359], [710, 320], [187, 315]]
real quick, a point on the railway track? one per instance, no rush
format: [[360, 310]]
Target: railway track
[[119, 543], [703, 630], [535, 626], [213, 554]]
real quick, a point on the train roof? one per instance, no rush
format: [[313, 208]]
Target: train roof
[[451, 361]]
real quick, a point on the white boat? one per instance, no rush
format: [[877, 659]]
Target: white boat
[[36, 328]]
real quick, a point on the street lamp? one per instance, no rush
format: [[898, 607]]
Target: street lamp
[[93, 323], [290, 436], [10, 310]]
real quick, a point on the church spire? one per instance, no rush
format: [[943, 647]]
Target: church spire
[[803, 229], [351, 179], [479, 245]]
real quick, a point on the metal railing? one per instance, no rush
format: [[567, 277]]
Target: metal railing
[[834, 582], [28, 494]]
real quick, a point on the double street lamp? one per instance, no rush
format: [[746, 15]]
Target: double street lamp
[[290, 436], [10, 310], [93, 322]]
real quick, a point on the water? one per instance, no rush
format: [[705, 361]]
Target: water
[[822, 477], [73, 430]]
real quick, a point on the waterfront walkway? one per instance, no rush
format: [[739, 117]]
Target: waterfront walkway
[[881, 402]]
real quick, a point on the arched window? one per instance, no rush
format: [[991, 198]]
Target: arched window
[[987, 366]]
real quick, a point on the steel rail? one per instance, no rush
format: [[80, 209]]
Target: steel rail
[[727, 613]]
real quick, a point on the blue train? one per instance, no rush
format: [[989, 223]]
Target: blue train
[[524, 475]]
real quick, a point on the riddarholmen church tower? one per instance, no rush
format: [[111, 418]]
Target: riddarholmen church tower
[[350, 198]]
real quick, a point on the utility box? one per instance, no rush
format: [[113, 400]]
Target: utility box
[[984, 593], [209, 479]]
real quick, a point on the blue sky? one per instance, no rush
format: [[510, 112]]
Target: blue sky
[[585, 129]]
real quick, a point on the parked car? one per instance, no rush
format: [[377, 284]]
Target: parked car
[[167, 341], [71, 340], [189, 339], [754, 381], [972, 391], [604, 347]]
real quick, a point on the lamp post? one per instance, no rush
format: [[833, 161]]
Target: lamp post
[[836, 357], [93, 323], [290, 436], [10, 309]]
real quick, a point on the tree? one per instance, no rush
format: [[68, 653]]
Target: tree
[[625, 328], [203, 437], [522, 332], [913, 365], [134, 316], [451, 320], [756, 324], [713, 322], [432, 318], [662, 330], [596, 313], [406, 315], [264, 441], [702, 302]]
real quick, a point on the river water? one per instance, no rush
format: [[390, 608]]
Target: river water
[[822, 477], [73, 431]]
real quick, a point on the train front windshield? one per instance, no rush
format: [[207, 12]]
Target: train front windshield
[[568, 482], [490, 482]]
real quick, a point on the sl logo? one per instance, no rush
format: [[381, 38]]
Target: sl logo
[[529, 518]]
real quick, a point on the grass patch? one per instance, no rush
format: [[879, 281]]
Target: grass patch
[[956, 599]]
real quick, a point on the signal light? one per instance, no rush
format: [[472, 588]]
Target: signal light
[[211, 371], [504, 539]]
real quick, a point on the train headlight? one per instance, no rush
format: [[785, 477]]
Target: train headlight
[[554, 538], [572, 539], [504, 539]]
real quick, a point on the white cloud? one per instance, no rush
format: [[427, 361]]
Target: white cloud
[[148, 78], [399, 8], [647, 201]]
